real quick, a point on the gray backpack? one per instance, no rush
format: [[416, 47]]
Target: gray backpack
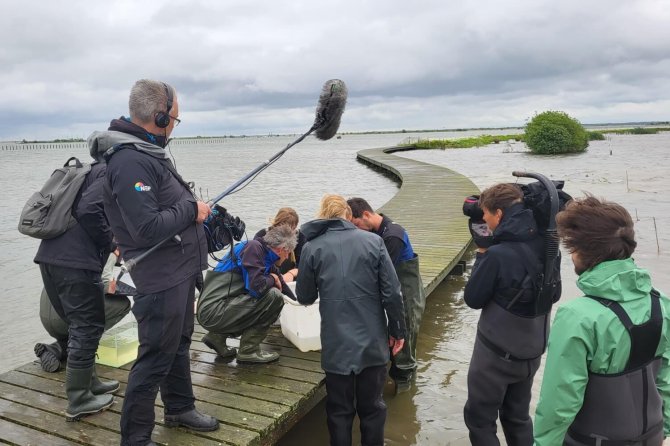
[[48, 212]]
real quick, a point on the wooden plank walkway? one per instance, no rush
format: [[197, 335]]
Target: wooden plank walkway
[[256, 404], [429, 206]]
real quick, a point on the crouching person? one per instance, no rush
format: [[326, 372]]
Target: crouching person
[[242, 296], [351, 273], [117, 306]]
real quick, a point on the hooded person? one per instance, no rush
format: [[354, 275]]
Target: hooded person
[[362, 315], [511, 332]]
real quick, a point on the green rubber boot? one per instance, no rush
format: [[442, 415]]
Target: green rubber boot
[[217, 342], [81, 401], [102, 387], [250, 347]]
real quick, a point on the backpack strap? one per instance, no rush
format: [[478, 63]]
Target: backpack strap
[[645, 337], [77, 163], [533, 269]]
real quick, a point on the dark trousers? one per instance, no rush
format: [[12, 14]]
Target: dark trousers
[[115, 309], [78, 298], [498, 386], [351, 394], [165, 326]]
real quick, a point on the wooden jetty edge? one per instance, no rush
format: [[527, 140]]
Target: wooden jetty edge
[[256, 404]]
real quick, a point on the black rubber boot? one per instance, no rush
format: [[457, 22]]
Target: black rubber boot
[[193, 420], [50, 356], [250, 347], [102, 387], [81, 401]]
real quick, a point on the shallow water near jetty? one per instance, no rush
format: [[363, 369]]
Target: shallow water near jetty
[[627, 169], [631, 170]]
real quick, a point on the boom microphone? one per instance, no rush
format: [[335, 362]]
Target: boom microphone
[[330, 108]]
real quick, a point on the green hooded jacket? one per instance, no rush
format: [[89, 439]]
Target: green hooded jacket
[[586, 336]]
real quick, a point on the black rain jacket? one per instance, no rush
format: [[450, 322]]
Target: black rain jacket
[[351, 273]]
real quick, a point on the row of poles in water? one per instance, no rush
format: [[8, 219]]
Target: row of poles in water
[[83, 144]]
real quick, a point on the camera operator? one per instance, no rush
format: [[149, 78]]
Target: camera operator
[[511, 337]]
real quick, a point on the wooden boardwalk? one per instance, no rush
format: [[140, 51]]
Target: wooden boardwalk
[[256, 404], [429, 206]]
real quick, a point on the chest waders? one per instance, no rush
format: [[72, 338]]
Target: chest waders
[[511, 335], [625, 408]]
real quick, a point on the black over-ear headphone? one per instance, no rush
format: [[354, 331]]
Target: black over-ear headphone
[[162, 119]]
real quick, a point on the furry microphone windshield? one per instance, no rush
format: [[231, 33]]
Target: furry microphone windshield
[[330, 108]]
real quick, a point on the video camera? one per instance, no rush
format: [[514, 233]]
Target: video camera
[[222, 228], [471, 208], [476, 224]]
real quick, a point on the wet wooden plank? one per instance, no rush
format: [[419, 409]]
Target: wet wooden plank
[[108, 420], [15, 433], [55, 387]]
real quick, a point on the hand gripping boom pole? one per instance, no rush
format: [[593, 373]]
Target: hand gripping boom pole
[[329, 111]]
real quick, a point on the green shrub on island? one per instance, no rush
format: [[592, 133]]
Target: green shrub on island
[[554, 132]]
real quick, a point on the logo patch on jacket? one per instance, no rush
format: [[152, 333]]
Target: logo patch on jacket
[[140, 187]]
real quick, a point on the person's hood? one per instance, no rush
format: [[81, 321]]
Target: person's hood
[[103, 144], [517, 225], [618, 280], [313, 229]]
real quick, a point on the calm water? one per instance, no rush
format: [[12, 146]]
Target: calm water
[[634, 174]]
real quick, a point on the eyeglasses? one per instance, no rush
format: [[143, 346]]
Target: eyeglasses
[[177, 121]]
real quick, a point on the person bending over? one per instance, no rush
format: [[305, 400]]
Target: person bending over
[[351, 273], [406, 264], [116, 305], [242, 296], [288, 216], [607, 378]]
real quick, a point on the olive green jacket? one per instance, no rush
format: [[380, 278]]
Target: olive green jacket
[[587, 336]]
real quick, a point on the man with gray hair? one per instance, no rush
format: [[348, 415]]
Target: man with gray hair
[[242, 296], [146, 201]]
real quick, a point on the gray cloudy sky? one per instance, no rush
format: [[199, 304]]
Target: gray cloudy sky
[[257, 67]]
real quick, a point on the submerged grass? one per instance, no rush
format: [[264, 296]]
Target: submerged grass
[[485, 140], [465, 143]]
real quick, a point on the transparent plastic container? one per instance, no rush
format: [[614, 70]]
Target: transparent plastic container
[[118, 346]]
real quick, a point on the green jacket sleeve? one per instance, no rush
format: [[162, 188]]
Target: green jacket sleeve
[[663, 378], [565, 378]]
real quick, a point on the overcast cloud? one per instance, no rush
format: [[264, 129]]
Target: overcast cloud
[[257, 67]]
